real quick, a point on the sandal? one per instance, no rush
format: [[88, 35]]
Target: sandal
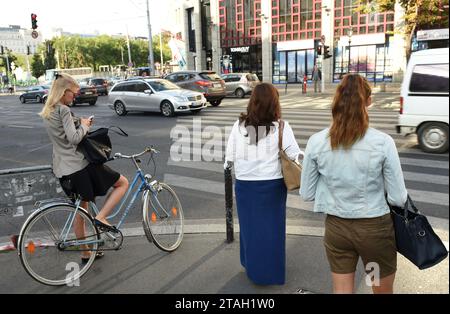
[[105, 227], [98, 254]]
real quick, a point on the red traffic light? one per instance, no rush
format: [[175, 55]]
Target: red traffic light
[[33, 21]]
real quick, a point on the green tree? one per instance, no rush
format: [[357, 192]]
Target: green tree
[[419, 14], [37, 66], [49, 55]]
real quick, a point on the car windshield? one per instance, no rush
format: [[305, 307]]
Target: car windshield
[[45, 86], [97, 81], [162, 85], [210, 76]]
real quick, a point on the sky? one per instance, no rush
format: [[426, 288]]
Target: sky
[[87, 16]]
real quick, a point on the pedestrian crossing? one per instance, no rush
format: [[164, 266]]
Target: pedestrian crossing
[[194, 169]]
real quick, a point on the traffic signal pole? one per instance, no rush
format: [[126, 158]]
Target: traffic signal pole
[[151, 62]]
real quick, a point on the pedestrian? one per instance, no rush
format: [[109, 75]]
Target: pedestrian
[[317, 78], [260, 190], [69, 165], [351, 171]]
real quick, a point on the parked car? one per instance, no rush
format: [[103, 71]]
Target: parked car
[[100, 84], [424, 103], [157, 95], [86, 94], [206, 82], [240, 84], [35, 93]]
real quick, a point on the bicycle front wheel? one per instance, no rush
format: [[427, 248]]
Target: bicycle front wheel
[[163, 218], [51, 243]]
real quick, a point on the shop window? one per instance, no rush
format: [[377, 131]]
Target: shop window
[[302, 35], [318, 34], [337, 3], [337, 13], [380, 18], [295, 10], [390, 17], [288, 28], [310, 35], [371, 29], [390, 28], [380, 28], [318, 25], [275, 21], [274, 29], [295, 27], [295, 36], [346, 22], [288, 37], [295, 18], [274, 12], [274, 38], [337, 23], [362, 30]]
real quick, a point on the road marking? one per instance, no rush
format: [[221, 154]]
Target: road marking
[[21, 126]]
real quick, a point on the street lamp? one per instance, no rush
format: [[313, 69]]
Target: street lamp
[[349, 34]]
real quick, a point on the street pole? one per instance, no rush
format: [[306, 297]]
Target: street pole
[[129, 49], [161, 50], [151, 62]]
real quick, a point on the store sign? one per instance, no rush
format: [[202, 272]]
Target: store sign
[[240, 49], [295, 45], [362, 40], [433, 34]]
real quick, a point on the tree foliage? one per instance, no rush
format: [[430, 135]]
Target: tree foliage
[[37, 66], [419, 14], [76, 51]]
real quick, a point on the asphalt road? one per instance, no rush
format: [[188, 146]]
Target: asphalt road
[[24, 143]]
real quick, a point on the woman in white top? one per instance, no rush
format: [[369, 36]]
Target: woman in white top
[[260, 190]]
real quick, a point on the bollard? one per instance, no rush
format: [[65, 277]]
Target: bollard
[[304, 84], [229, 203], [285, 88]]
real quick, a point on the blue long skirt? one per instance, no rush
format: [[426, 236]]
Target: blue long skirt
[[261, 207]]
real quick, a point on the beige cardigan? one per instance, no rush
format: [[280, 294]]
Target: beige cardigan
[[65, 132]]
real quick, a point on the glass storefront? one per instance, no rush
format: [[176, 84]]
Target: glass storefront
[[291, 66], [370, 61], [245, 59]]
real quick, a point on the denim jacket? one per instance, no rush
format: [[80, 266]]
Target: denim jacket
[[352, 183]]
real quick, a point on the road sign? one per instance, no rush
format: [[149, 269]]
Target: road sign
[[34, 34]]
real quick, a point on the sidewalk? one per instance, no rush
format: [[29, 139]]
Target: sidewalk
[[205, 264]]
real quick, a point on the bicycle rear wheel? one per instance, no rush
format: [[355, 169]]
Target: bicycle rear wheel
[[163, 218], [49, 249]]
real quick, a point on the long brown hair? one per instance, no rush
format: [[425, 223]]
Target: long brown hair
[[262, 110], [349, 108]]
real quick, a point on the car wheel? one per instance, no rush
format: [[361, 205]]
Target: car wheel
[[22, 99], [433, 137], [215, 103], [38, 99], [167, 109], [92, 103], [119, 108], [240, 93]]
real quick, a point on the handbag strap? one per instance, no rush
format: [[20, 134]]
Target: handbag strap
[[122, 132], [280, 135]]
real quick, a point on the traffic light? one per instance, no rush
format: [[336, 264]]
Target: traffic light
[[33, 21], [326, 52]]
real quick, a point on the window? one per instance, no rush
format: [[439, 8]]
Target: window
[[430, 78], [141, 87]]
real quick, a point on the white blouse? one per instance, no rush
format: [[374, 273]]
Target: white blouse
[[259, 162]]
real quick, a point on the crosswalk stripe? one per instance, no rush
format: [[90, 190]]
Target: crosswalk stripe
[[236, 114], [214, 187], [429, 178]]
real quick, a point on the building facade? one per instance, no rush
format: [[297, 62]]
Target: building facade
[[17, 39], [278, 39]]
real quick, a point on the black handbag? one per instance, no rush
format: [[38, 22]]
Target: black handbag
[[96, 145], [415, 237]]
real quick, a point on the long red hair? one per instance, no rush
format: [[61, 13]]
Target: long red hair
[[349, 109]]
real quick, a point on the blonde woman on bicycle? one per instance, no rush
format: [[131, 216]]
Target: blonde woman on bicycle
[[75, 173]]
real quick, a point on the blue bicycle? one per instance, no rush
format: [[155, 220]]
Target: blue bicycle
[[53, 238]]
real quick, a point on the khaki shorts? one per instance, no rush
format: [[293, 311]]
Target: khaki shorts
[[372, 239]]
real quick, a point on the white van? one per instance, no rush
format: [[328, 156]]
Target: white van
[[424, 99]]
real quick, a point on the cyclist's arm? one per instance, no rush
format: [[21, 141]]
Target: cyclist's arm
[[73, 135]]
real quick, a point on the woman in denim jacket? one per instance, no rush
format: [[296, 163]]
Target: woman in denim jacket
[[348, 170]]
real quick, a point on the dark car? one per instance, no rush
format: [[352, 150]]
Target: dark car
[[35, 93], [211, 85], [100, 84], [86, 94]]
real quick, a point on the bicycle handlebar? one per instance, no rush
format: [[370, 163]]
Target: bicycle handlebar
[[147, 150]]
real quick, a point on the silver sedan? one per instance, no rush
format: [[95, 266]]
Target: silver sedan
[[157, 95]]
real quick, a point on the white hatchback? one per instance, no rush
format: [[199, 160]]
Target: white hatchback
[[424, 103]]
